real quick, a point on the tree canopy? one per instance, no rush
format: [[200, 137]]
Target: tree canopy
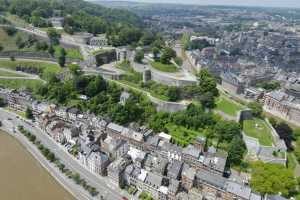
[[207, 88], [272, 179]]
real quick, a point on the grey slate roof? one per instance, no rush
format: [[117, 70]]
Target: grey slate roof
[[238, 189], [275, 197], [174, 169], [115, 127], [192, 151], [211, 179], [188, 171], [154, 180]]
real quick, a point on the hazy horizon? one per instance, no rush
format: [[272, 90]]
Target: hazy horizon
[[263, 3]]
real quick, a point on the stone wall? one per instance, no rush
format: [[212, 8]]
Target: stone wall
[[170, 80], [34, 55], [263, 153], [167, 106]]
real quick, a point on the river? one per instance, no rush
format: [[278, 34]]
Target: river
[[22, 177]]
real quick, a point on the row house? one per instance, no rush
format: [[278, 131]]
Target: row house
[[216, 187], [116, 170], [19, 101], [134, 138], [41, 107], [115, 148], [158, 186], [282, 104], [92, 158], [232, 83], [155, 164], [211, 160], [174, 170], [54, 129], [188, 177], [71, 134]]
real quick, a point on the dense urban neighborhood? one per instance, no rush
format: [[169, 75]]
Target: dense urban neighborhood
[[129, 100]]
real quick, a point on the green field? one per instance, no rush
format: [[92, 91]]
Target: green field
[[259, 129], [228, 106], [71, 53], [45, 66], [10, 74], [19, 83], [164, 67], [182, 135]]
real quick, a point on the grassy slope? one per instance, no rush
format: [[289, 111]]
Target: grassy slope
[[47, 66], [10, 74], [71, 53], [228, 106], [15, 84], [262, 132]]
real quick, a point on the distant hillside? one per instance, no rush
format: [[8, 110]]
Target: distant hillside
[[121, 26], [47, 7]]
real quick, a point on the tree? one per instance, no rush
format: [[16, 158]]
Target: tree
[[41, 46], [206, 91], [226, 130], [236, 151], [51, 50], [1, 48], [272, 179], [155, 52], [19, 42], [139, 56], [2, 102], [273, 122], [167, 54], [256, 109], [74, 68], [62, 57], [51, 157], [285, 132], [28, 113], [10, 30], [53, 36]]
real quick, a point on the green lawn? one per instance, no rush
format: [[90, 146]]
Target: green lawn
[[228, 106], [19, 83], [10, 74], [99, 51], [71, 53], [46, 66], [259, 129], [164, 67], [292, 162], [182, 135]]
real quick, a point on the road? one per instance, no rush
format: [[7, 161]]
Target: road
[[104, 185]]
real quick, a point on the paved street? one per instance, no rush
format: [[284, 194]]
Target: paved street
[[102, 184]]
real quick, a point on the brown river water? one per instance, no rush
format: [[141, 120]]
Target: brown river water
[[22, 177]]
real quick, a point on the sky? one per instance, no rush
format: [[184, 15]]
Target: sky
[[266, 3]]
